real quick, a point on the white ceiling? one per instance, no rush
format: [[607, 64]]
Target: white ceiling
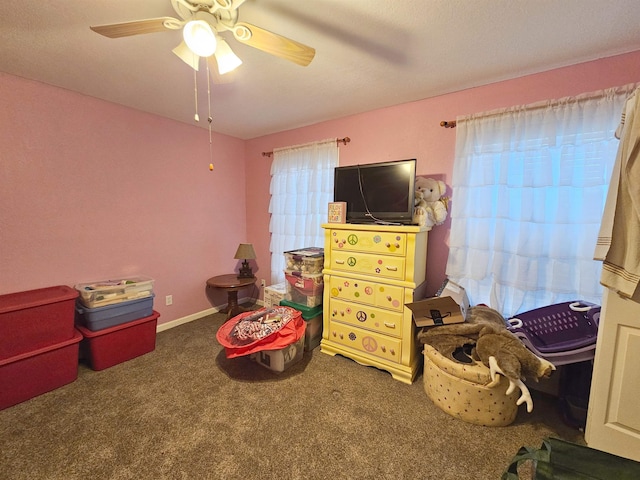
[[369, 53]]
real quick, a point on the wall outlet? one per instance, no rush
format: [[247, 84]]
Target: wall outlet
[[263, 282], [168, 300]]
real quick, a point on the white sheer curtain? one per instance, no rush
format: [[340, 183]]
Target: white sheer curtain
[[529, 186], [301, 188]]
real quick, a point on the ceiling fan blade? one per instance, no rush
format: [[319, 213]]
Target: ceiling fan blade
[[187, 56], [138, 27], [235, 4], [273, 43]]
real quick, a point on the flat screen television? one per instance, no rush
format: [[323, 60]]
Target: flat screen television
[[380, 193]]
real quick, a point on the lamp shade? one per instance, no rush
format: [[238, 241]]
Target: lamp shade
[[199, 38], [245, 251]]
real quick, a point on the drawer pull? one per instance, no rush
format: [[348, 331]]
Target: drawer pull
[[334, 333], [383, 348], [392, 269], [389, 325], [392, 351], [341, 336], [340, 262]]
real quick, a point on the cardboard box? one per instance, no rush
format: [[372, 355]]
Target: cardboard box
[[455, 291], [273, 294], [450, 307]]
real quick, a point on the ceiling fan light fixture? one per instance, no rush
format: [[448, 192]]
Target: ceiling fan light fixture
[[199, 38], [226, 59], [185, 54]]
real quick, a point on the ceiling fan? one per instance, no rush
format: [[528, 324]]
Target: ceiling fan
[[202, 21]]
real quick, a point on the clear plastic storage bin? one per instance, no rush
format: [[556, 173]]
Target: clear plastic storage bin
[[312, 317], [281, 359], [304, 289], [108, 292], [305, 260]]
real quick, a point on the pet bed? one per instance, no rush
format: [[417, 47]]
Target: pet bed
[[460, 390]]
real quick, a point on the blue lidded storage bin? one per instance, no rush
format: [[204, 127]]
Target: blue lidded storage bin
[[100, 318]]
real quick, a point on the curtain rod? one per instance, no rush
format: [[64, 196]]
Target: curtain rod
[[624, 89], [344, 141]]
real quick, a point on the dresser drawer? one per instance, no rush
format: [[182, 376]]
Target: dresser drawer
[[388, 348], [388, 243], [368, 264], [370, 293], [372, 318]]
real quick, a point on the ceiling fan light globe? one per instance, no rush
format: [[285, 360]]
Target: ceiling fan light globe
[[226, 59], [228, 63], [199, 38]]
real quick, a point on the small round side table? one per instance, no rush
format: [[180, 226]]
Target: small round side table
[[231, 284]]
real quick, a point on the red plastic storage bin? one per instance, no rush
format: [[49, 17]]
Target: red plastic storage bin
[[31, 374], [36, 319], [111, 346]]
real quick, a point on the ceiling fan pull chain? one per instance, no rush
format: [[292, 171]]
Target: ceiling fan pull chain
[[195, 93], [209, 118]]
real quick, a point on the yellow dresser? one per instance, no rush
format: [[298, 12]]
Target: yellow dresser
[[370, 272]]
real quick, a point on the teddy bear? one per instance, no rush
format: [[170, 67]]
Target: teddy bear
[[430, 204], [420, 209], [495, 346]]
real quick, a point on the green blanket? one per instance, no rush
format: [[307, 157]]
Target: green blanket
[[560, 460]]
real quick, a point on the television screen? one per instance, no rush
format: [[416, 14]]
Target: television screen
[[377, 192]]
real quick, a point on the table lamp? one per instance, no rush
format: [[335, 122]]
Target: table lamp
[[245, 252]]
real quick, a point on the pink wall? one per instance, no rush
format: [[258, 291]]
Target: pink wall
[[91, 190], [413, 130]]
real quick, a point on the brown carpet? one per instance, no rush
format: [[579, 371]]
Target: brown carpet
[[185, 411]]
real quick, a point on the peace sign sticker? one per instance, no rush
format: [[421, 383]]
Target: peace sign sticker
[[369, 344]]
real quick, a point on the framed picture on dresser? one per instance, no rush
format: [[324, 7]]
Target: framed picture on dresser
[[337, 212]]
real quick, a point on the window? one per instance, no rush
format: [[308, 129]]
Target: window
[[301, 188], [529, 187]]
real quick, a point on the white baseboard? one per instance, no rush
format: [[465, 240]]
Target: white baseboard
[[189, 318], [197, 316]]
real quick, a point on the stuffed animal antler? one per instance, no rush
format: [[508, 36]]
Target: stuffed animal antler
[[497, 348], [504, 353]]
